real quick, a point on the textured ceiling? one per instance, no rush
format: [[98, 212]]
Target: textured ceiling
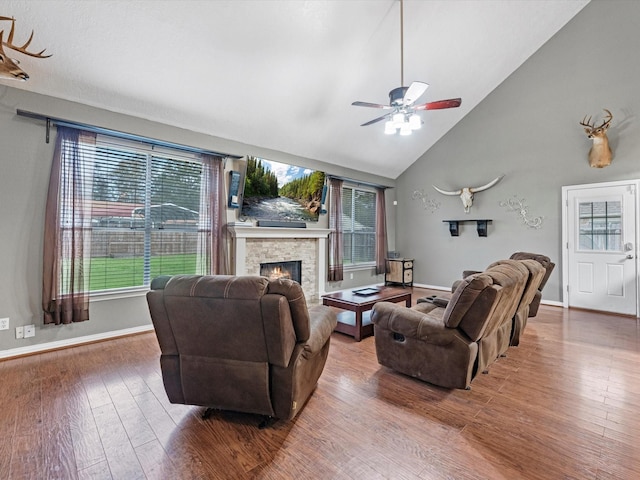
[[282, 74]]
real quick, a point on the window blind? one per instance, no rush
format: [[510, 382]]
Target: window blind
[[144, 204], [358, 225]]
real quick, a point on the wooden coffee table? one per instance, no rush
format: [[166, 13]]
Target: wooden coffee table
[[360, 326]]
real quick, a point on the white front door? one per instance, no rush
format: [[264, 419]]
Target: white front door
[[601, 247]]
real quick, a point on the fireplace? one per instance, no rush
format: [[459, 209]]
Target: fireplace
[[255, 245], [291, 270]]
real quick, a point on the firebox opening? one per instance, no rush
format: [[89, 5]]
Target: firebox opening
[[291, 270]]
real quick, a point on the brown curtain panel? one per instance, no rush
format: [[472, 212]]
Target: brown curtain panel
[[213, 256], [381, 232], [336, 243], [67, 231]]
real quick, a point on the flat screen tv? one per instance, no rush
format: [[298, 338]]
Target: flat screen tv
[[282, 192]]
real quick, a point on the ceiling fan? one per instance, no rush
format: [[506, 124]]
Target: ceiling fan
[[402, 116]]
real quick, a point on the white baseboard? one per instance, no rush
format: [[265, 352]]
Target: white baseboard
[[71, 342], [431, 287], [552, 303]]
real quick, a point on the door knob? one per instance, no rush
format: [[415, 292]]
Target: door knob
[[629, 256]]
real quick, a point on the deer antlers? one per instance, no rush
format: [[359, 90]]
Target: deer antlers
[[591, 128], [9, 67]]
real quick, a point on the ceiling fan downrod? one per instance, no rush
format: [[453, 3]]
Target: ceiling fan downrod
[[402, 43]]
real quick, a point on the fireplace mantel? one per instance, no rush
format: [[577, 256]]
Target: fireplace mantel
[[241, 231], [267, 243]]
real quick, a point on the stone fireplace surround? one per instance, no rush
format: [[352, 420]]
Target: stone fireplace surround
[[254, 245]]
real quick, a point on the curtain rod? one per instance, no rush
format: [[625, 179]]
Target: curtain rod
[[115, 133], [358, 183]]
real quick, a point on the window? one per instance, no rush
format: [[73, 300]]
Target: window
[[145, 206], [600, 226], [358, 225]]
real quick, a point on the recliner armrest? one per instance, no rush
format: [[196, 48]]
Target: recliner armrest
[[322, 321], [437, 301], [428, 327]]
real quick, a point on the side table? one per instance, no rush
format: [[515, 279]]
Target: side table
[[399, 271]]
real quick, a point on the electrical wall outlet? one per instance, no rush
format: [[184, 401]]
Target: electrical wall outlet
[[4, 323], [19, 332], [29, 331]]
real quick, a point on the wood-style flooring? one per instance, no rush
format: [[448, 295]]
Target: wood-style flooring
[[565, 404]]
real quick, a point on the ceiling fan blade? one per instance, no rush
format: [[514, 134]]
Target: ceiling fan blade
[[414, 92], [371, 105], [376, 120], [451, 103]]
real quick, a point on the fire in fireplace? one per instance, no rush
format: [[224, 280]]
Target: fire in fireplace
[[290, 270]]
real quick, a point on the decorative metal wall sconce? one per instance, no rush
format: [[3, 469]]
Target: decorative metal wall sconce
[[426, 201], [518, 206]]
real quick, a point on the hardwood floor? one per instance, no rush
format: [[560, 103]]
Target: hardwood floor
[[564, 404]]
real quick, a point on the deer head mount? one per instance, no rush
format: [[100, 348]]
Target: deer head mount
[[8, 66], [600, 153], [466, 193]]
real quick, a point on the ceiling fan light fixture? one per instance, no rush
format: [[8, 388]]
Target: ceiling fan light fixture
[[415, 122], [398, 119], [402, 109], [389, 127]]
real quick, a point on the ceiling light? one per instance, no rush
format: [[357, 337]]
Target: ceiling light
[[415, 122], [398, 119], [389, 127], [401, 106], [405, 129]]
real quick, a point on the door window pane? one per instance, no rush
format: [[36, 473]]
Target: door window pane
[[600, 226]]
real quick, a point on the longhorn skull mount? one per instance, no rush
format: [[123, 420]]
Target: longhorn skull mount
[[466, 193]]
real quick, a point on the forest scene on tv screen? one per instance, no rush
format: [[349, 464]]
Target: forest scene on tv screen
[[279, 191]]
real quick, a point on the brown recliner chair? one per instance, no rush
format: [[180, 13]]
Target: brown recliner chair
[[520, 319], [446, 343], [245, 344], [495, 341], [548, 266], [532, 288]]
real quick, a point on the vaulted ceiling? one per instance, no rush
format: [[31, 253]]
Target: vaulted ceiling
[[282, 74]]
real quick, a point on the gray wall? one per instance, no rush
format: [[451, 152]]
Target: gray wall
[[25, 161], [528, 130]]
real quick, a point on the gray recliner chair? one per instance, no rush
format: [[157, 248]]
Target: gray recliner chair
[[245, 344]]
